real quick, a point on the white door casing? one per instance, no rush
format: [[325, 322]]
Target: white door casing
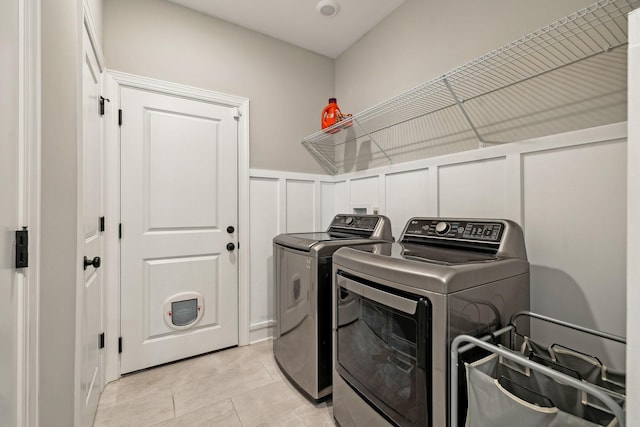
[[179, 194], [90, 309], [19, 186]]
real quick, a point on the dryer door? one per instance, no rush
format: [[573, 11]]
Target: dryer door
[[382, 350]]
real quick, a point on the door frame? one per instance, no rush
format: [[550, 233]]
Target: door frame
[[114, 80], [28, 207]]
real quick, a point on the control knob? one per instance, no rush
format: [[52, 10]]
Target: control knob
[[442, 228], [348, 220]]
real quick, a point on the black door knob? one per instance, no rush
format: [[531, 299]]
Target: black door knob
[[230, 247], [95, 262], [230, 229]]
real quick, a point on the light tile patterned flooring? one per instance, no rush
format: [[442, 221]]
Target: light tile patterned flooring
[[241, 386]]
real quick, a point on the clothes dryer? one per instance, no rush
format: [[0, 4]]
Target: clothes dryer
[[302, 265], [398, 306]]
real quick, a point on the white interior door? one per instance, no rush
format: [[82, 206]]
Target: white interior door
[[179, 275], [90, 307]]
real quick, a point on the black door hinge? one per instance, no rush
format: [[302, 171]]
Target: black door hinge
[[120, 231], [22, 248], [101, 223], [101, 101], [119, 344], [120, 117], [101, 340]]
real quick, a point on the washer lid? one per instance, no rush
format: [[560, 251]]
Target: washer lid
[[357, 228], [305, 241]]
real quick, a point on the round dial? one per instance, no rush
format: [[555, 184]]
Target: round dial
[[442, 228], [348, 220]]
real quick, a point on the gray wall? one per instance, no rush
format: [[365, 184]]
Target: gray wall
[[61, 79], [424, 39], [287, 86]]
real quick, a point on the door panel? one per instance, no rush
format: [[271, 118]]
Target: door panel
[[164, 277], [91, 309], [179, 195], [174, 198]]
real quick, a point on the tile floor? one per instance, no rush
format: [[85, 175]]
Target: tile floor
[[240, 386]]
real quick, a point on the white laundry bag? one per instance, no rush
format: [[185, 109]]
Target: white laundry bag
[[502, 393]]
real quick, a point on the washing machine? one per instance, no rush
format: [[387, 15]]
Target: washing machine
[[398, 306], [302, 266]]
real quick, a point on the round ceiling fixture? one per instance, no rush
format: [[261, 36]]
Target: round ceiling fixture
[[328, 7]]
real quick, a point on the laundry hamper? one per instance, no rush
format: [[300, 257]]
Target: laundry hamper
[[536, 386]]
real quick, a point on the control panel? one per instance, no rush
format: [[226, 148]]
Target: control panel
[[354, 222], [478, 231]]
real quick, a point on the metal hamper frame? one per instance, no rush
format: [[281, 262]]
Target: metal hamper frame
[[457, 347]]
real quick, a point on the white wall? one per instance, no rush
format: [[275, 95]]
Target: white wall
[[424, 39], [473, 189], [401, 203], [633, 220], [574, 206], [564, 190], [287, 86], [264, 224]]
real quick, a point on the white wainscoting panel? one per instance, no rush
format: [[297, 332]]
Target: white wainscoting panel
[[407, 195], [341, 197], [365, 194], [473, 189], [300, 196], [575, 230], [281, 202], [265, 225], [327, 203]]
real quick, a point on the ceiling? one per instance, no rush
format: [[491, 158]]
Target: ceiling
[[299, 22]]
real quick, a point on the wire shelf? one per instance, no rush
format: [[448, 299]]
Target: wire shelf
[[569, 75]]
